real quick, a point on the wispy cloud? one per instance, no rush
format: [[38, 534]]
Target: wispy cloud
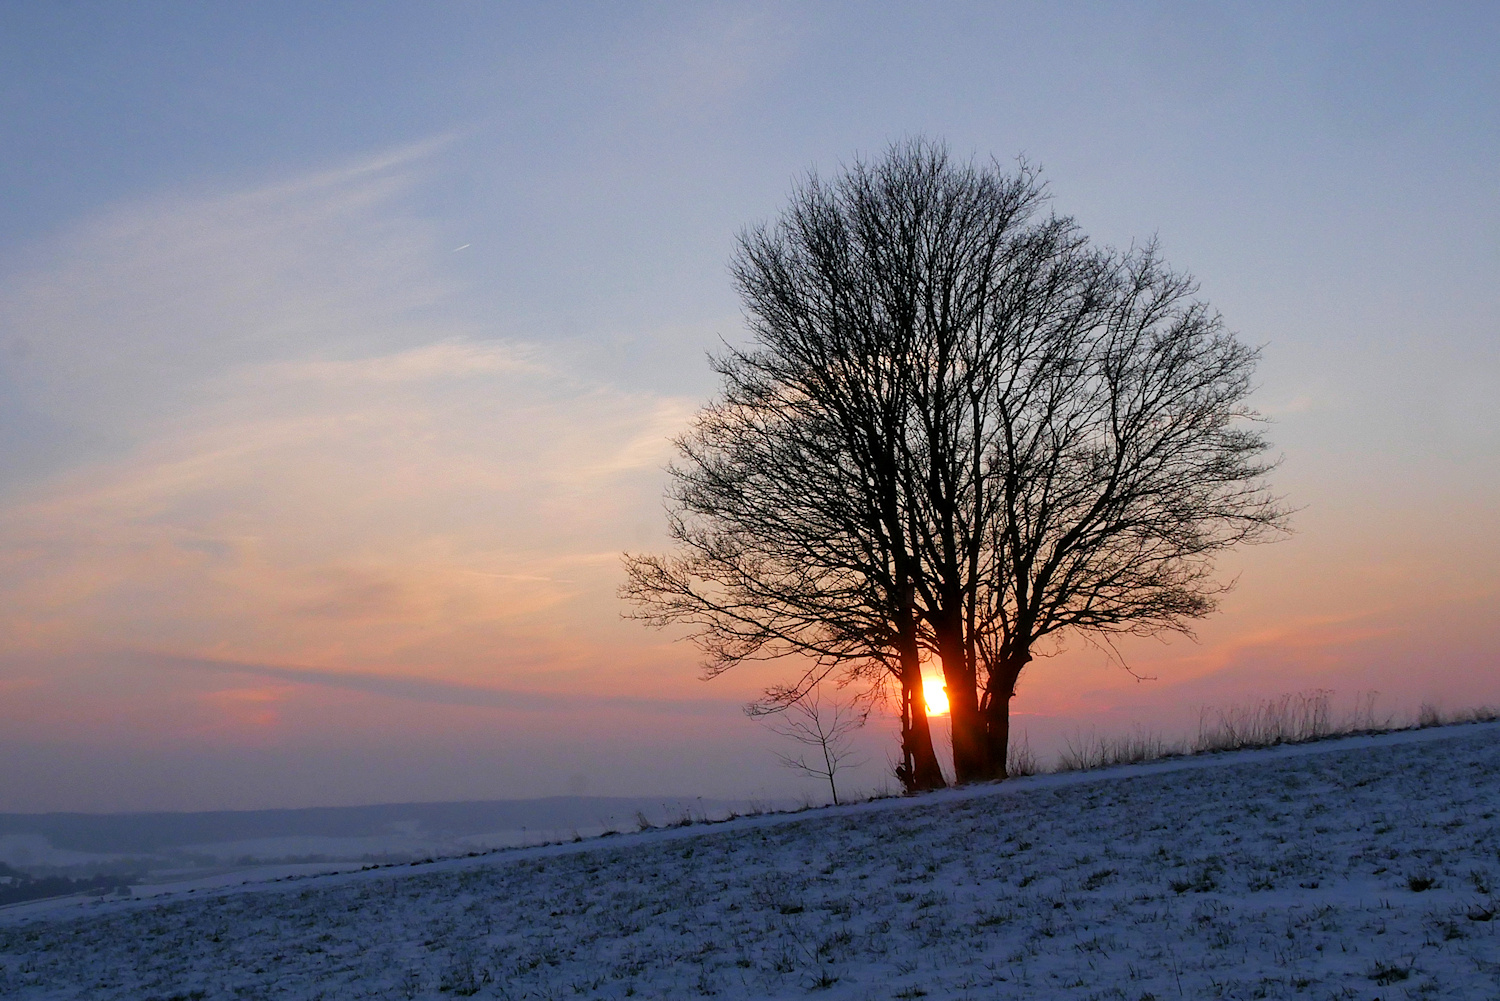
[[1300, 404], [713, 54], [299, 449], [453, 359], [441, 692]]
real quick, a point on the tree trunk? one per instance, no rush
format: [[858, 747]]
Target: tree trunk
[[1000, 690], [971, 754], [920, 770]]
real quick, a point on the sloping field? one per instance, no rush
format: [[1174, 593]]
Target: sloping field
[[1356, 869]]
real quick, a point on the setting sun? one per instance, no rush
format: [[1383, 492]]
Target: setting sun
[[936, 696]]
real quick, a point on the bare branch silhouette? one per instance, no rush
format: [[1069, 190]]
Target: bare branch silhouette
[[960, 429], [824, 725]]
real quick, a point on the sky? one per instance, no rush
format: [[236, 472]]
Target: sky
[[341, 347]]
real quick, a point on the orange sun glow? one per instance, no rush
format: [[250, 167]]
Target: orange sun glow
[[936, 697]]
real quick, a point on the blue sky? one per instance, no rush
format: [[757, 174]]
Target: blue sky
[[348, 339]]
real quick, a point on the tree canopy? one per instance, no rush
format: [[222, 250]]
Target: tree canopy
[[959, 428]]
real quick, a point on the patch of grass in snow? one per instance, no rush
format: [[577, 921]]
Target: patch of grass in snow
[[1085, 753], [1098, 879], [1294, 718], [1386, 974], [1021, 760]]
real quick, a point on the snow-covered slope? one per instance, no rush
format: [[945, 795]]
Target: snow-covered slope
[[1353, 869]]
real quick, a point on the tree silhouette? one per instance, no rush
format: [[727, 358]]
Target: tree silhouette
[[824, 727], [960, 429]]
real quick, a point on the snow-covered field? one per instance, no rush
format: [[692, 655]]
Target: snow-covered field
[[1355, 869]]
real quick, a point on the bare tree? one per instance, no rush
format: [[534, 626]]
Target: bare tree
[[1124, 459], [960, 429], [825, 727], [805, 501], [777, 555]]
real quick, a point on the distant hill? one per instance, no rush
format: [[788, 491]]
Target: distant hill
[[58, 841]]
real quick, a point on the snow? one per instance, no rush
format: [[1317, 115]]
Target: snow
[[1357, 869]]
